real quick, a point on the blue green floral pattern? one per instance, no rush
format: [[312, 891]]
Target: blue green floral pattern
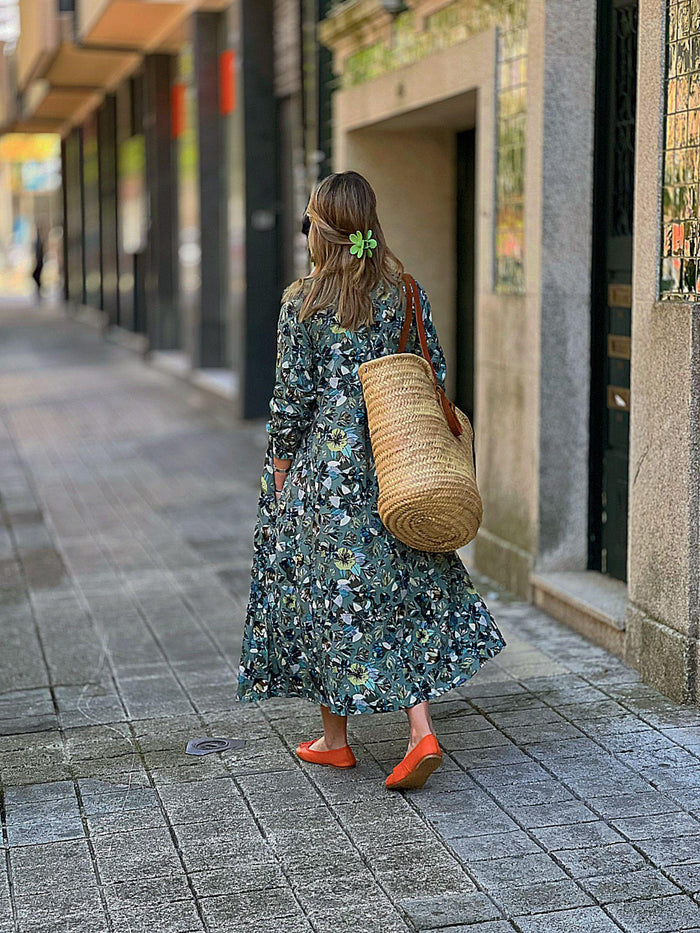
[[340, 611]]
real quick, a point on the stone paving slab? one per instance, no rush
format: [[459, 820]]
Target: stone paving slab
[[569, 798]]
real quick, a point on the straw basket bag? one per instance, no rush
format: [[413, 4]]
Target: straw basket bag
[[423, 446]]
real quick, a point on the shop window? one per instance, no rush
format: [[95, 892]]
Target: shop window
[[680, 246], [511, 92]]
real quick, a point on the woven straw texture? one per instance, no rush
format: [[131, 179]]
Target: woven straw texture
[[428, 496]]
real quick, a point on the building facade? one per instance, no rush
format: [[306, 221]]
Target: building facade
[[536, 166], [190, 140]]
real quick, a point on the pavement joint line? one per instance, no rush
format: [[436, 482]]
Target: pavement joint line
[[581, 799], [363, 857], [535, 840], [580, 724], [6, 852], [273, 850], [106, 656], [127, 585], [42, 648], [134, 738], [508, 811], [174, 584]]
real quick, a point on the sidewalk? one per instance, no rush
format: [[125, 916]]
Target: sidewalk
[[569, 798]]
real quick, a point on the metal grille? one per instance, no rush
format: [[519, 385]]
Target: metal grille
[[625, 109]]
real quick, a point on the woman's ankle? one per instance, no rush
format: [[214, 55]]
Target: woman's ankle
[[327, 744], [339, 741], [416, 736]]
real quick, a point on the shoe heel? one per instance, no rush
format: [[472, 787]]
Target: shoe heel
[[420, 774]]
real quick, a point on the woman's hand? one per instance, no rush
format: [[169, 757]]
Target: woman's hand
[[281, 468]]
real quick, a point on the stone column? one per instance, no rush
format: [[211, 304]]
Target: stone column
[[210, 340], [161, 165], [662, 618], [73, 233], [107, 147], [562, 54], [262, 274]]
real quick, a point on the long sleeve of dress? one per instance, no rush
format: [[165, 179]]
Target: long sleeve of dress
[[436, 353], [293, 401]]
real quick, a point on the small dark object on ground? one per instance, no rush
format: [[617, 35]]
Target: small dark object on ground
[[208, 745]]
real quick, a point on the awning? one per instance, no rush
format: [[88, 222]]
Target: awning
[[72, 84], [87, 68], [66, 105], [35, 125]]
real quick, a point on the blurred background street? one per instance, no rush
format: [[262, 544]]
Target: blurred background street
[[569, 798]]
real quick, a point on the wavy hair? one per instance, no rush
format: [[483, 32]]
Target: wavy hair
[[341, 204]]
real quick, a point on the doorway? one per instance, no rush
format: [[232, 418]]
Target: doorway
[[465, 271], [421, 164], [612, 285]]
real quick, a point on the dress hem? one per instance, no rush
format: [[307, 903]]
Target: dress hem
[[432, 693]]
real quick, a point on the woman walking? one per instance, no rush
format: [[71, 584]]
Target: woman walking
[[340, 611]]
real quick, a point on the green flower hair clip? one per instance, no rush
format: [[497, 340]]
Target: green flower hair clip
[[362, 244]]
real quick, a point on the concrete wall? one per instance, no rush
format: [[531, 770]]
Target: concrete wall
[[562, 39], [413, 201], [534, 350], [399, 130]]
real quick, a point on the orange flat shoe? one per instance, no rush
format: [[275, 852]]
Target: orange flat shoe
[[335, 757], [417, 765]]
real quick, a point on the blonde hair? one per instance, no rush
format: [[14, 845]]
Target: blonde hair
[[341, 204]]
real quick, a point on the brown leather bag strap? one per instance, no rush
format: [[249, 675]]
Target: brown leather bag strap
[[415, 305], [420, 326], [405, 330]]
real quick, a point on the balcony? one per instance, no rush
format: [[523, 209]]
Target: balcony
[[53, 110], [145, 25], [72, 67], [59, 82]]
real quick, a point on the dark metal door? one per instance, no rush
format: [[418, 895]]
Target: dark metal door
[[466, 154], [612, 284]]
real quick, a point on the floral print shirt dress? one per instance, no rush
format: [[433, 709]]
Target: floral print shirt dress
[[340, 611]]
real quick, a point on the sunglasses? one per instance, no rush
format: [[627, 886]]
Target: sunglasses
[[305, 224]]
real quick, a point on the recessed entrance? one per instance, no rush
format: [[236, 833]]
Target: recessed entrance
[[421, 164], [612, 288]]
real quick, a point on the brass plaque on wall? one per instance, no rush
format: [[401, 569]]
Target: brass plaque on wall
[[619, 398], [618, 347], [620, 296]]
